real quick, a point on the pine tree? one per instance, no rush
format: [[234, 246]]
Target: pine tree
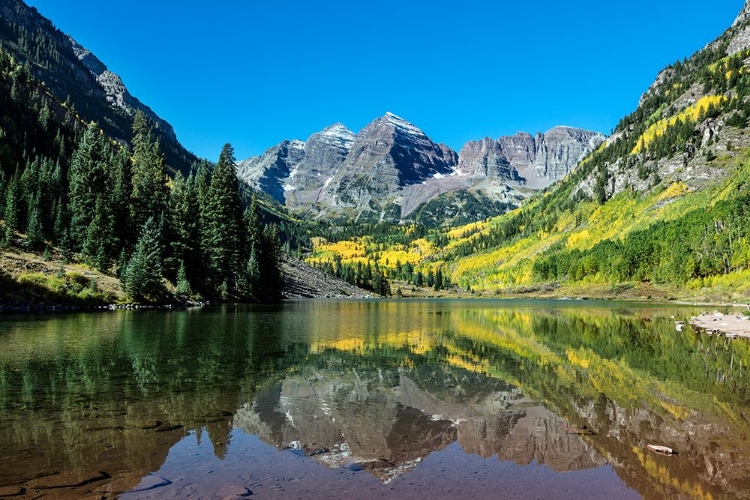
[[183, 232], [142, 277], [88, 181], [253, 224], [253, 273], [197, 266], [149, 194], [182, 286], [10, 211], [438, 285], [61, 222], [35, 231], [419, 279], [223, 222], [122, 187], [99, 245]]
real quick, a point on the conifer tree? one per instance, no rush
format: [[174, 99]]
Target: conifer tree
[[10, 212], [183, 226], [149, 194], [99, 245], [122, 187], [142, 277], [253, 224], [223, 222], [182, 286], [88, 181], [198, 266], [253, 274], [35, 231], [438, 285]]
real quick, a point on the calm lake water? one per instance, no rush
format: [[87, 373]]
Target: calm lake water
[[373, 399]]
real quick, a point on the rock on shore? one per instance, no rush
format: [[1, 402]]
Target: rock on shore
[[730, 325]]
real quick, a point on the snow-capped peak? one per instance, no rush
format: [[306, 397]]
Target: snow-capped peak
[[401, 124]]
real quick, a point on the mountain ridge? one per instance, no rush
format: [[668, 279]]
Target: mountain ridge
[[74, 75], [391, 168]]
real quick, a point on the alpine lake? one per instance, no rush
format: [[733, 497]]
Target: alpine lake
[[407, 399]]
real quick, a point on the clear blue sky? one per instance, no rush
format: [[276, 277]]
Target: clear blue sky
[[253, 73]]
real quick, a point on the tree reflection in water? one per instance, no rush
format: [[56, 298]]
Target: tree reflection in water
[[377, 387]]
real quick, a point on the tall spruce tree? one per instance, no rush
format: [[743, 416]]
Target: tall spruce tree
[[10, 211], [122, 187], [35, 229], [87, 180], [149, 179], [100, 246], [142, 277], [222, 216], [198, 268], [183, 214]]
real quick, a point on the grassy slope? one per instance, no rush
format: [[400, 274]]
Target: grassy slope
[[29, 279]]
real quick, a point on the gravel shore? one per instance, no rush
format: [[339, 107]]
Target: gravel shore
[[730, 325]]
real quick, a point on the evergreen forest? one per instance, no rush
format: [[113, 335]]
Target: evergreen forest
[[68, 191]]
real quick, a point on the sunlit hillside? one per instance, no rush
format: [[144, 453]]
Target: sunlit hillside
[[663, 203]]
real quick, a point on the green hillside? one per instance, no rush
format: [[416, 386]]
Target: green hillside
[[71, 194]]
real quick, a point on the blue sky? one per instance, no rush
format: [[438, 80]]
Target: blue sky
[[253, 73]]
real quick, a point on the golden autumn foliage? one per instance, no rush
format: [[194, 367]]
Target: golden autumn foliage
[[692, 113]]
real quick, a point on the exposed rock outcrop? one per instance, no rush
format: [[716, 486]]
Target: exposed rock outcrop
[[391, 168], [324, 154], [114, 91], [304, 282], [741, 31], [486, 158], [268, 173], [387, 155], [547, 158]]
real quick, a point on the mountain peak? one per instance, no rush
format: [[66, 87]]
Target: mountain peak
[[338, 130], [395, 119], [399, 124]]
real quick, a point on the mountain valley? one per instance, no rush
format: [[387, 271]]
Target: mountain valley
[[660, 204]]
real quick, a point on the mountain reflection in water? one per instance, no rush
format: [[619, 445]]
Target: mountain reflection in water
[[384, 422], [404, 393]]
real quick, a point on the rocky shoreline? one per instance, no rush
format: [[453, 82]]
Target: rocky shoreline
[[300, 282], [52, 308], [731, 326]]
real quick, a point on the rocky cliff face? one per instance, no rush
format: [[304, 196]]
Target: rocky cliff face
[[486, 158], [113, 90], [391, 168], [387, 155], [325, 153], [740, 31], [546, 158], [396, 147], [267, 173]]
